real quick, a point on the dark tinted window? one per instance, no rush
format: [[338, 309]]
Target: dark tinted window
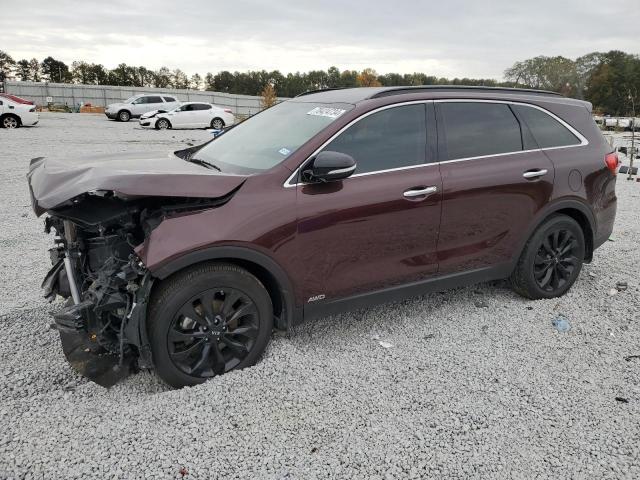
[[169, 99], [393, 138], [547, 131], [476, 129], [187, 108], [154, 100], [201, 106]]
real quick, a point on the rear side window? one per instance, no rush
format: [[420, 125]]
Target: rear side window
[[478, 129], [169, 99], [154, 100], [392, 138], [547, 131], [201, 106]]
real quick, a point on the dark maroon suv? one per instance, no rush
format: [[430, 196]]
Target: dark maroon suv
[[332, 200]]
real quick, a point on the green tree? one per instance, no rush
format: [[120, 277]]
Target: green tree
[[179, 79], [23, 70], [35, 71], [6, 65], [195, 82], [55, 71], [162, 78]]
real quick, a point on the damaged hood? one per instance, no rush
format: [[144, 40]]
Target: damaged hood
[[54, 182]]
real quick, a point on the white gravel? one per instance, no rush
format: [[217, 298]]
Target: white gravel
[[476, 382]]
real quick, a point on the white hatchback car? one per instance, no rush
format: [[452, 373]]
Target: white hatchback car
[[137, 105], [191, 115], [16, 112]]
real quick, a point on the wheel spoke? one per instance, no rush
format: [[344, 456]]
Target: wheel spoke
[[563, 271], [570, 260], [236, 346], [219, 365], [567, 248], [184, 354], [178, 336], [206, 301], [203, 361], [230, 298], [547, 246], [246, 309], [247, 331], [547, 277]]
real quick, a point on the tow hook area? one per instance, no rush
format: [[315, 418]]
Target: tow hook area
[[83, 352]]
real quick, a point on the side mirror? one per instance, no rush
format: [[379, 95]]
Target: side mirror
[[329, 166]]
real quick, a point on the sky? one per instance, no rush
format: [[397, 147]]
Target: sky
[[448, 38]]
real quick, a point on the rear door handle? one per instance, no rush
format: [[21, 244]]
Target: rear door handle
[[419, 191], [535, 173]]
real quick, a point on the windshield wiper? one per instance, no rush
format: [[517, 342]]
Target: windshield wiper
[[204, 163]]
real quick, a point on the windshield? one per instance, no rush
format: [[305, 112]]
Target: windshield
[[266, 139]]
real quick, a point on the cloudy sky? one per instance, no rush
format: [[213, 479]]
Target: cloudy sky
[[450, 38]]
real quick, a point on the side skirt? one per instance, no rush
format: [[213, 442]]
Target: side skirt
[[434, 284]]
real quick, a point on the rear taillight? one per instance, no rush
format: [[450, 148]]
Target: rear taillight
[[612, 162], [228, 110]]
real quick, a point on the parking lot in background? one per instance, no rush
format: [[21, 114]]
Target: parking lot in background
[[469, 383]]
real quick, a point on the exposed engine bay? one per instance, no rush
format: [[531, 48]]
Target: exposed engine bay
[[107, 287]]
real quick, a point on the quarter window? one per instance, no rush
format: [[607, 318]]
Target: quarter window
[[474, 129], [547, 131], [392, 138]]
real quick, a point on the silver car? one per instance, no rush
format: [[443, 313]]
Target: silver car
[[135, 106]]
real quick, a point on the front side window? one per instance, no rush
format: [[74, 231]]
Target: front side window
[[201, 106], [266, 139], [392, 138], [475, 129], [547, 131]]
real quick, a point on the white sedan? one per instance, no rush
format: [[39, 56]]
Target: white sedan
[[16, 112], [191, 115]]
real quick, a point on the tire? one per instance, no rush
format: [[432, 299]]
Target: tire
[[187, 341], [123, 116], [551, 260], [217, 123], [10, 121], [163, 124]]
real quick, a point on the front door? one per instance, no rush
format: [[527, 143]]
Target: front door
[[379, 227], [494, 182]]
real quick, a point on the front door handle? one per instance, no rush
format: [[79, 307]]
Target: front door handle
[[419, 191], [535, 173]]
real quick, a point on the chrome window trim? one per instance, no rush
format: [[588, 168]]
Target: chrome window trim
[[579, 136]]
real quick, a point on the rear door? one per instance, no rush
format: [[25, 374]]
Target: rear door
[[375, 229], [201, 115], [493, 183]]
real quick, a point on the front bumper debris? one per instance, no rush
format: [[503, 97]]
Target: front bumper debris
[[87, 357]]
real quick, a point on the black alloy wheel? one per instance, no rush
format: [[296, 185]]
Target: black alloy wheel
[[551, 260], [556, 260], [207, 320], [213, 332]]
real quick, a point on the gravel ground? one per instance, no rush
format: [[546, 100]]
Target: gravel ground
[[476, 382]]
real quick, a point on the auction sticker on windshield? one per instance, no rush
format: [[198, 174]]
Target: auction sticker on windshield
[[326, 112]]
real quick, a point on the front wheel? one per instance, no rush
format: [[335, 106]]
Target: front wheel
[[206, 321], [217, 123], [124, 116], [551, 260], [162, 124], [10, 122]]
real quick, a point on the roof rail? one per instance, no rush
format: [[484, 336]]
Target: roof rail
[[403, 90], [319, 90]]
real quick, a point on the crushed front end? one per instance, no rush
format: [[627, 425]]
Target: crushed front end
[[102, 326]]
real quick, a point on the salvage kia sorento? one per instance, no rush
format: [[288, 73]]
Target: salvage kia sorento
[[333, 200]]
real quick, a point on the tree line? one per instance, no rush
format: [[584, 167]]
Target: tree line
[[611, 80]]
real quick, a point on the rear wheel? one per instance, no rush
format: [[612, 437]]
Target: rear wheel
[[217, 123], [124, 116], [206, 321], [551, 260], [163, 124], [10, 121]]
